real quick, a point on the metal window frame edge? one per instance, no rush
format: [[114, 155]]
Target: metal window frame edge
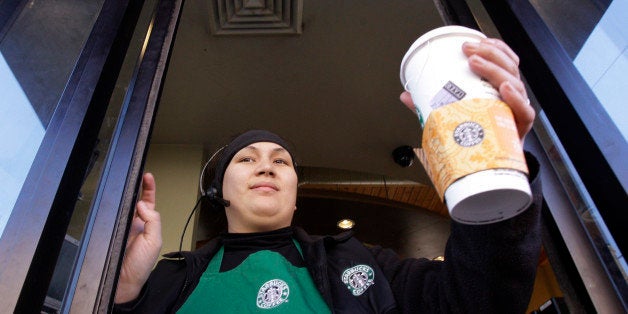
[[122, 176]]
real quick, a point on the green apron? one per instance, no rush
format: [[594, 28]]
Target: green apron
[[265, 283]]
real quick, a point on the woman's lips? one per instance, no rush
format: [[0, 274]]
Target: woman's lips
[[265, 186]]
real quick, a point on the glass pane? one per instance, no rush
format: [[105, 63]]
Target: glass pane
[[594, 33], [571, 21], [603, 63], [37, 56]]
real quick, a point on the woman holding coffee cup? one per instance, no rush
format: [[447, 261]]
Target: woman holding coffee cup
[[263, 264], [471, 145]]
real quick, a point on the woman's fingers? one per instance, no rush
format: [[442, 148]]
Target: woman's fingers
[[521, 108], [495, 51], [494, 73], [146, 225], [148, 190], [151, 222], [495, 62]]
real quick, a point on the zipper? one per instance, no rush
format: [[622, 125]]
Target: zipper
[[182, 295]]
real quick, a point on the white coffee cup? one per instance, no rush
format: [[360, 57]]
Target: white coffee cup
[[436, 73], [435, 59]]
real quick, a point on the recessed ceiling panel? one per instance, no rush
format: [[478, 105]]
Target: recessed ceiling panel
[[256, 17]]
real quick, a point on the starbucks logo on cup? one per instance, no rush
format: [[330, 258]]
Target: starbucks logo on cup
[[468, 134]]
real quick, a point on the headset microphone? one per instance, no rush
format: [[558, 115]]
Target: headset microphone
[[212, 194]]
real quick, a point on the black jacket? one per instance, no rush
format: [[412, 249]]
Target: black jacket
[[487, 269]]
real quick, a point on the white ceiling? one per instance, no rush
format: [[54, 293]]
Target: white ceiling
[[333, 90]]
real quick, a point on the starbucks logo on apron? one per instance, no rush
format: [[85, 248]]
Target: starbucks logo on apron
[[358, 278], [272, 294]]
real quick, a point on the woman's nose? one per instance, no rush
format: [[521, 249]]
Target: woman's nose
[[265, 167]]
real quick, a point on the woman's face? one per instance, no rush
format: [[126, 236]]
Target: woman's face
[[261, 184]]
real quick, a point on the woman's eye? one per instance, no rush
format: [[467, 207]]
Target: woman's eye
[[282, 161], [246, 159]]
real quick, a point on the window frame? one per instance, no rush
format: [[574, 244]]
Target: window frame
[[584, 134], [122, 174], [593, 149], [35, 231]]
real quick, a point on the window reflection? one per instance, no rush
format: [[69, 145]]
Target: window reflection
[[603, 62], [37, 56], [21, 132], [593, 34]]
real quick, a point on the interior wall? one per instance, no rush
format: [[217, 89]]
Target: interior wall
[[176, 169], [409, 232]]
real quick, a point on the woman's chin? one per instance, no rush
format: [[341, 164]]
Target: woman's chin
[[274, 217]]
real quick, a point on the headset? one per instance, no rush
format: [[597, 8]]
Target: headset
[[211, 194]]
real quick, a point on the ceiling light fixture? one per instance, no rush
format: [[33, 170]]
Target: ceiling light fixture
[[346, 224]]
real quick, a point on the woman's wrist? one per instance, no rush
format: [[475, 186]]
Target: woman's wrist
[[127, 292]]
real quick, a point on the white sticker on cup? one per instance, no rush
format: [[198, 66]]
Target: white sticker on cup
[[449, 93]]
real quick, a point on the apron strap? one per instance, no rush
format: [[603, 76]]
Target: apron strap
[[214, 264]]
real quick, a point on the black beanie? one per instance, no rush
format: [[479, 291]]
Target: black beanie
[[242, 141]]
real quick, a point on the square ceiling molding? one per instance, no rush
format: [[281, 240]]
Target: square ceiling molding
[[256, 17]]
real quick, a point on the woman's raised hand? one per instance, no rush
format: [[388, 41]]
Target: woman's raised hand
[[143, 244]]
